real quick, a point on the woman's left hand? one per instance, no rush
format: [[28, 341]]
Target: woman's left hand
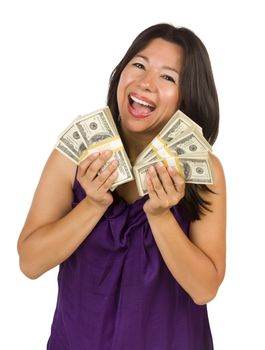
[[166, 187]]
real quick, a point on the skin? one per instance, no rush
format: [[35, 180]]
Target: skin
[[148, 75], [53, 231]]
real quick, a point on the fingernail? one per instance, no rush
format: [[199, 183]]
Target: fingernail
[[151, 169], [94, 155], [160, 164], [107, 152]]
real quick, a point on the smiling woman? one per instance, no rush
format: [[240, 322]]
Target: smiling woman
[[148, 92], [135, 273]]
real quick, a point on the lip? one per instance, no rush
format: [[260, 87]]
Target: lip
[[134, 112]]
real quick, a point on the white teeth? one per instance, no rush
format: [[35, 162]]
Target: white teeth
[[137, 100]]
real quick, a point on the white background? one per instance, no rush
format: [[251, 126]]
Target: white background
[[56, 59]]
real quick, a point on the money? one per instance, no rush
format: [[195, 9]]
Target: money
[[66, 151], [194, 169], [72, 139], [176, 125], [95, 132], [95, 127], [180, 144], [119, 154], [190, 141]]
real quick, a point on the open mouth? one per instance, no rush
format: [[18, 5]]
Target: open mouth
[[140, 106]]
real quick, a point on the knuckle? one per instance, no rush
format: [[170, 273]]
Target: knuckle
[[106, 155], [114, 164], [80, 178], [181, 180], [101, 177], [93, 166], [157, 186], [106, 184], [150, 188], [86, 161], [82, 166], [168, 183], [110, 168], [102, 157]]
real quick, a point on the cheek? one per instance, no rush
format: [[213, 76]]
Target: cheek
[[171, 97], [121, 90]]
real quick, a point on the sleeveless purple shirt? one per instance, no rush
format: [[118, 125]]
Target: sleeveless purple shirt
[[116, 292]]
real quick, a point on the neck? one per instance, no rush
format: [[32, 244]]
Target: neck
[[135, 144]]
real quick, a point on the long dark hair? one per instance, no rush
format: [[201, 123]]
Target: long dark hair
[[197, 92]]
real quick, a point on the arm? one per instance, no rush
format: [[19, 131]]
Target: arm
[[53, 231], [198, 263]]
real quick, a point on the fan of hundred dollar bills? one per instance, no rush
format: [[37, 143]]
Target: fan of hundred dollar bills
[[180, 143]]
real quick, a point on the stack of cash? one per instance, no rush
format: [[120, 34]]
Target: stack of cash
[[181, 144], [95, 132]]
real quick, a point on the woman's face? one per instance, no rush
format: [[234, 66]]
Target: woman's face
[[148, 90]]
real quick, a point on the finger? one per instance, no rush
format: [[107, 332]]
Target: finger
[[95, 166], [84, 164], [158, 187], [105, 174], [149, 186], [108, 183], [165, 178], [178, 180]]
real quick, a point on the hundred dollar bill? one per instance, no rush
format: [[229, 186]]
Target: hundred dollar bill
[[95, 132], [111, 119], [95, 127], [190, 141], [106, 113], [61, 147], [176, 125], [73, 140], [195, 170]]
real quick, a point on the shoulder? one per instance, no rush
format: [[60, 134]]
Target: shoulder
[[217, 191], [59, 166], [218, 173]]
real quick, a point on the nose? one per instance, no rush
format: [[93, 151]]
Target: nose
[[147, 82]]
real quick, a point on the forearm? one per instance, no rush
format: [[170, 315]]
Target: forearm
[[189, 265], [51, 244]]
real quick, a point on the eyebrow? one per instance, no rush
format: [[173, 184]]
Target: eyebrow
[[164, 67]]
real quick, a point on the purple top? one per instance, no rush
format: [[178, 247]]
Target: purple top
[[116, 292]]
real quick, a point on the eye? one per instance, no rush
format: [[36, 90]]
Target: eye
[[169, 78], [138, 65]]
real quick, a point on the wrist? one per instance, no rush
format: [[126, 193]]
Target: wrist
[[161, 214], [102, 207]]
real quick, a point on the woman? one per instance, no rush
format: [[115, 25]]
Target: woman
[[135, 273]]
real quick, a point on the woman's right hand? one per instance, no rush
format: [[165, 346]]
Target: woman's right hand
[[95, 184]]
